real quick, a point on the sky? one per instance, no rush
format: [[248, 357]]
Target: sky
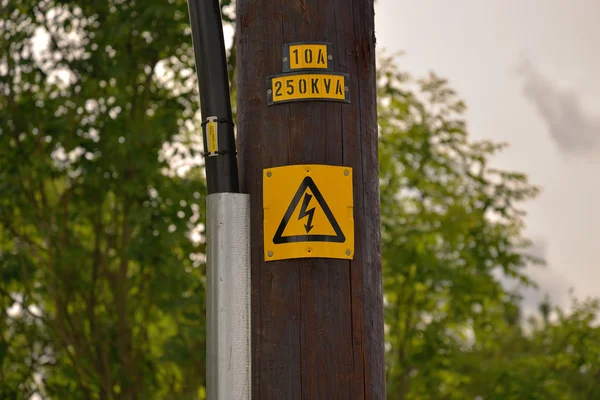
[[527, 70]]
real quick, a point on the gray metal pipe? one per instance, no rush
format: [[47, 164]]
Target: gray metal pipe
[[228, 297]]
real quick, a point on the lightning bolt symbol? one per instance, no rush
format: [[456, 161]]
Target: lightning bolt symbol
[[307, 213]]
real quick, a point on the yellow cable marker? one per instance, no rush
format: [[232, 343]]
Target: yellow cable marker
[[212, 136]]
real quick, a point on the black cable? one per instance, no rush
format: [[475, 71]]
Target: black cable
[[215, 102]]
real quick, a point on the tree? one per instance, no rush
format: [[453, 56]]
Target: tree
[[452, 234], [106, 288], [554, 358]]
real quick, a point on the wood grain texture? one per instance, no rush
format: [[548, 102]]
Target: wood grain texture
[[317, 323]]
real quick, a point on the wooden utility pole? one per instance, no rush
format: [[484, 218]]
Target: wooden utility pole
[[317, 323]]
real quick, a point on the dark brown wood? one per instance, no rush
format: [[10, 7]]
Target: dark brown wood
[[317, 323]]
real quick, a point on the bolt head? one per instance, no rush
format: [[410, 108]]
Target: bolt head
[[348, 252], [285, 58], [269, 91], [269, 174], [270, 254], [330, 57], [346, 172]]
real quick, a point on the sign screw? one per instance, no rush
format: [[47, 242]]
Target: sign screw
[[330, 57], [348, 252], [346, 88], [346, 172], [270, 254], [285, 58], [270, 91], [269, 174]]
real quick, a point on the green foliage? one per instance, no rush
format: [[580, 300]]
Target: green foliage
[[93, 229], [540, 359], [451, 232], [102, 290]]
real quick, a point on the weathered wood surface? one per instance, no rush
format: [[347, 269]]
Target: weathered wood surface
[[317, 323]]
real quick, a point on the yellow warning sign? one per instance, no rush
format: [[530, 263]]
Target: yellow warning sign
[[308, 212]]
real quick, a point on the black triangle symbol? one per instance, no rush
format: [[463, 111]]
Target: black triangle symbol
[[308, 183]]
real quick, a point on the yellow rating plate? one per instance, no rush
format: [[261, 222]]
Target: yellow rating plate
[[307, 55], [307, 86], [308, 212]]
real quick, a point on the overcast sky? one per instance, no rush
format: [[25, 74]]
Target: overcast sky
[[528, 71]]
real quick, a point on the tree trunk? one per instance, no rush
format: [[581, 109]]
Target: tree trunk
[[317, 323]]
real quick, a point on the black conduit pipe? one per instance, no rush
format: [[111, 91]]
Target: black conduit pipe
[[215, 102]]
